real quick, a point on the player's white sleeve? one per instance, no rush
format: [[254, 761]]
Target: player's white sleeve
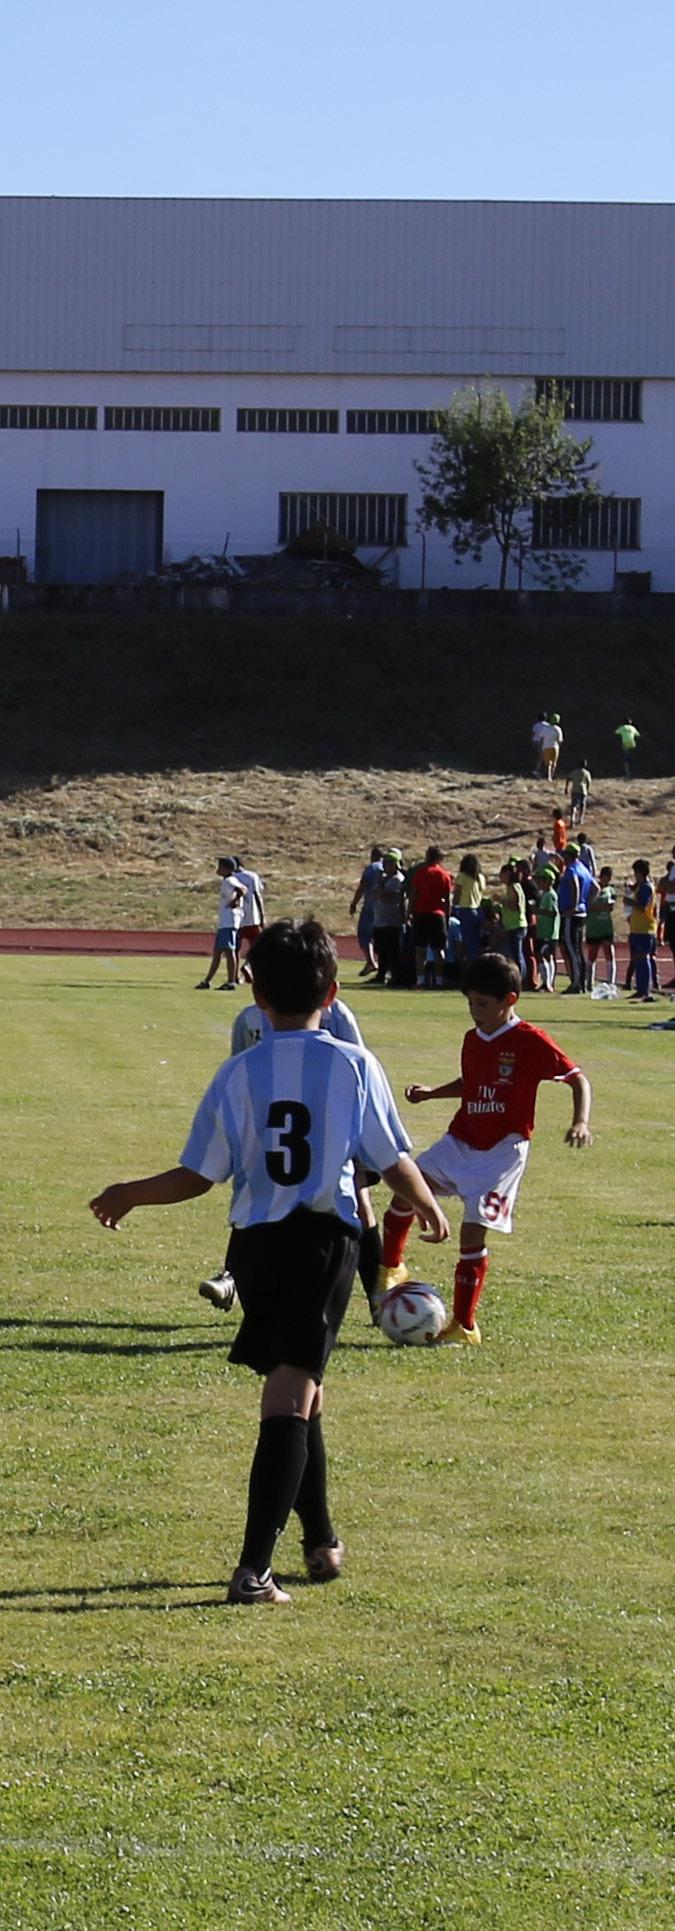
[[207, 1149], [383, 1138]]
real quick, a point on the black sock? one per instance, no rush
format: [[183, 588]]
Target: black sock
[[370, 1260], [276, 1473], [311, 1503]]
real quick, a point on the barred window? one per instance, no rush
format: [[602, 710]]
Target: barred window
[[591, 398], [365, 520], [602, 523], [391, 422], [204, 421], [46, 415], [289, 422]]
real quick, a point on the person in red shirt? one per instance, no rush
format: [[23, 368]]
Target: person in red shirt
[[430, 893], [483, 1155], [559, 831]]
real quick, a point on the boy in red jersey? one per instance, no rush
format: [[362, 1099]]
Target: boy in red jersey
[[483, 1155]]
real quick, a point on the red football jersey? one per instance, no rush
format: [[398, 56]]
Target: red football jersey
[[500, 1074]]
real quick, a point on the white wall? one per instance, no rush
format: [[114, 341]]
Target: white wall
[[223, 484]]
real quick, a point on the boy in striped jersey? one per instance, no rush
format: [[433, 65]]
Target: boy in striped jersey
[[248, 1029], [286, 1123]]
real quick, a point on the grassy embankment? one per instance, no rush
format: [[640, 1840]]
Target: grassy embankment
[[135, 749]]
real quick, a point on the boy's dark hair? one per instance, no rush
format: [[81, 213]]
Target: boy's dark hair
[[641, 866], [294, 963], [375, 854], [606, 871], [492, 975], [434, 855]]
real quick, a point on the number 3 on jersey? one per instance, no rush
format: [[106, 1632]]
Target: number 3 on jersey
[[289, 1158]]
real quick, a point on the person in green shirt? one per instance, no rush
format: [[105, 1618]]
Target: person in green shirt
[[548, 927], [600, 926], [629, 735], [514, 916], [578, 784]]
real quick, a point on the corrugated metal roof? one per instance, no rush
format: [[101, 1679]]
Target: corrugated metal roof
[[332, 287]]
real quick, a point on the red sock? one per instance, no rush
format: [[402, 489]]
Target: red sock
[[395, 1230], [470, 1275]]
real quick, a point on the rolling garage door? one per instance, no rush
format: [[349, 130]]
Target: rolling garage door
[[93, 535]]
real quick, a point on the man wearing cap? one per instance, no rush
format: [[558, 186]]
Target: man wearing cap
[[551, 740], [389, 912], [230, 912], [575, 888]]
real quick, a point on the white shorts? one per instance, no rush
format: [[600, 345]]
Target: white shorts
[[486, 1181]]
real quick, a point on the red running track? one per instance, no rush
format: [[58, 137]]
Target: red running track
[[104, 942]]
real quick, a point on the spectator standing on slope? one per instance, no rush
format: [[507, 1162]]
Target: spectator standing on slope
[[559, 832], [538, 729], [628, 735], [578, 784], [552, 738]]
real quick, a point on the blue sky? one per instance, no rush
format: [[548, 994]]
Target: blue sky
[[490, 99]]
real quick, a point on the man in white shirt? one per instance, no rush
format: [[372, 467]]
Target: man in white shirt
[[232, 896], [539, 727], [253, 910], [551, 740]]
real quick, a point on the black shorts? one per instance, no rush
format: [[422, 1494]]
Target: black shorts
[[294, 1278], [429, 928]]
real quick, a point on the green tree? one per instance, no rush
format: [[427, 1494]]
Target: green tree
[[489, 465]]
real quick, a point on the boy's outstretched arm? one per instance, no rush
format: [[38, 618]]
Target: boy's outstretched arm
[[579, 1134], [158, 1190], [452, 1090], [409, 1184]]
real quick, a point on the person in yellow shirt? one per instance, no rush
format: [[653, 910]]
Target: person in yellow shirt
[[642, 928], [467, 901]]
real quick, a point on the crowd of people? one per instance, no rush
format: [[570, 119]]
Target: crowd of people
[[418, 925]]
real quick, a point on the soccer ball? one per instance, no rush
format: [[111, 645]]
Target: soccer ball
[[413, 1314]]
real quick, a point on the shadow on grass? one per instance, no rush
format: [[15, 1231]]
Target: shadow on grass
[[94, 1598], [139, 1327], [131, 1349], [138, 1595]]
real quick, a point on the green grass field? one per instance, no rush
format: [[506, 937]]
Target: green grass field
[[471, 1729]]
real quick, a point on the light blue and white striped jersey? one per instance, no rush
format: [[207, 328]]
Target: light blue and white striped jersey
[[287, 1122], [251, 1025]]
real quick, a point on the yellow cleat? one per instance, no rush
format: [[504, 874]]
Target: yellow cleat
[[455, 1336], [388, 1277]]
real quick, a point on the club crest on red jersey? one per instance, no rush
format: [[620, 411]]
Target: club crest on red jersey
[[506, 1067]]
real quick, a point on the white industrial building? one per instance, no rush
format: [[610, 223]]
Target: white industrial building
[[175, 375]]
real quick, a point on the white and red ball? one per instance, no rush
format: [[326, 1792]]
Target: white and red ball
[[412, 1315]]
